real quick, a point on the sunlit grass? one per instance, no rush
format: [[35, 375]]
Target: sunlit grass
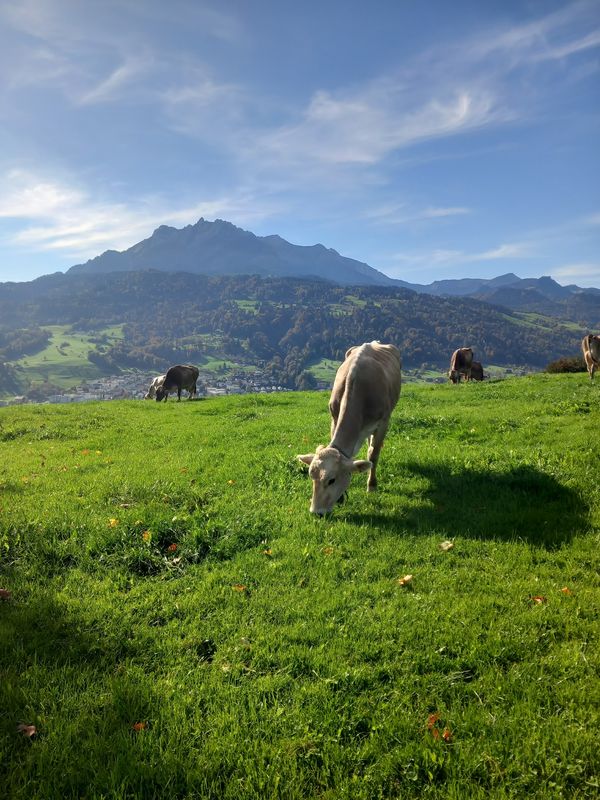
[[164, 570]]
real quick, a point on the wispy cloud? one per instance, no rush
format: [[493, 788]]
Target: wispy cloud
[[401, 214], [54, 215], [365, 126], [441, 257], [583, 274]]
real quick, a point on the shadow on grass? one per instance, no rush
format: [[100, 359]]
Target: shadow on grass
[[48, 660], [521, 503]]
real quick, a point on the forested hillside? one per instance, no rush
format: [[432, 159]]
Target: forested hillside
[[283, 324]]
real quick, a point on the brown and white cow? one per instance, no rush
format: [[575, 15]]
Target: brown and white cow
[[364, 394], [179, 377], [154, 386], [591, 353], [460, 364]]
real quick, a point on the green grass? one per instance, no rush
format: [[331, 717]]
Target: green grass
[[64, 360], [274, 655]]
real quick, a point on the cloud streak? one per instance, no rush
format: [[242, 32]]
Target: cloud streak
[[55, 216]]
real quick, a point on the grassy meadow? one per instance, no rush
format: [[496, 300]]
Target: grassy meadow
[[64, 361], [175, 623]]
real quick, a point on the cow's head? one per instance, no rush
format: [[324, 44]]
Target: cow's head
[[454, 375], [161, 393], [331, 472]]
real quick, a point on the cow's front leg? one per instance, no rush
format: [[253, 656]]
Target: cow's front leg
[[375, 445]]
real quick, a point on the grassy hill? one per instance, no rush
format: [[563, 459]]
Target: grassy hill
[[289, 328], [64, 361], [180, 626]]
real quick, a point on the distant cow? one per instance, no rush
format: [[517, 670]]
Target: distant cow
[[461, 364], [477, 371], [591, 353], [154, 386], [178, 378], [365, 391]]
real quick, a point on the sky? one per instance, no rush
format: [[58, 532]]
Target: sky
[[429, 139]]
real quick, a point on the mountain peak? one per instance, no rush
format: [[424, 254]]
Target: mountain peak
[[221, 248]]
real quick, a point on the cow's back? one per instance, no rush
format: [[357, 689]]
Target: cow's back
[[369, 377], [180, 376]]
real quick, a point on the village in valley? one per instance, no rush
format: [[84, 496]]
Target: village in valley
[[133, 385]]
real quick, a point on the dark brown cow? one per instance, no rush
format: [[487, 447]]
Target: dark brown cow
[[460, 364], [591, 353], [179, 377], [365, 391], [477, 371]]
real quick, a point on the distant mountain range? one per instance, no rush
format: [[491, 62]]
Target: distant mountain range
[[221, 248], [214, 291]]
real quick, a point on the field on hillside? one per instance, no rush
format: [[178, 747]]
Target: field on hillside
[[64, 362], [175, 624]]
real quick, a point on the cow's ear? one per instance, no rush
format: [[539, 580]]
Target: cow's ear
[[361, 465], [306, 458]]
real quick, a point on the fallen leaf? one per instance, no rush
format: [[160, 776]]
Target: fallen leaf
[[172, 547], [538, 599], [405, 580], [5, 594], [85, 452], [125, 505], [267, 552], [432, 719], [146, 536], [27, 730], [447, 735], [445, 546], [98, 452], [231, 483], [139, 726], [176, 560], [327, 551], [112, 522], [435, 733], [239, 587], [566, 590]]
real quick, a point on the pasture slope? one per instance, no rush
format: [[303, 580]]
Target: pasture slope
[[178, 625]]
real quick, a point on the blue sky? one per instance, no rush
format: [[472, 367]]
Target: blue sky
[[430, 139]]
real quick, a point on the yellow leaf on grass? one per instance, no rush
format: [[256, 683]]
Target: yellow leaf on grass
[[405, 580], [112, 522], [445, 546]]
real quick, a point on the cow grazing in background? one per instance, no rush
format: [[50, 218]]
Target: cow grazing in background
[[460, 364], [477, 371], [591, 353], [364, 394], [182, 376], [154, 386]]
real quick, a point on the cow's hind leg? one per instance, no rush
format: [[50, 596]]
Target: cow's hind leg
[[375, 445]]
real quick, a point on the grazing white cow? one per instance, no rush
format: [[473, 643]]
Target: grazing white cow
[[591, 353], [364, 394], [154, 387]]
